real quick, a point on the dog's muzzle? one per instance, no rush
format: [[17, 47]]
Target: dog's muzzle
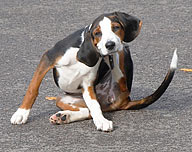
[[110, 45]]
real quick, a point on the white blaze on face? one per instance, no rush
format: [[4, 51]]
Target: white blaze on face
[[108, 35]]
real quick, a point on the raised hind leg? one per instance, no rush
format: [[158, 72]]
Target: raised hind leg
[[73, 109]]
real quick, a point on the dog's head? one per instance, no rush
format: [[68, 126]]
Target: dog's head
[[106, 34]]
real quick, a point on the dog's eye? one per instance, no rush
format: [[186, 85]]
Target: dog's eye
[[98, 34], [116, 28]]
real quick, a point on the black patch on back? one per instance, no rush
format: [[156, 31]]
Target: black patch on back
[[60, 48], [73, 40]]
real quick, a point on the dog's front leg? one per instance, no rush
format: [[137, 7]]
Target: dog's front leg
[[95, 110]]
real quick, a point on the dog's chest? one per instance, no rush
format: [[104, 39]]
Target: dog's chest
[[71, 73]]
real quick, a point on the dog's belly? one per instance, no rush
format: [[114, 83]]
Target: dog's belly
[[69, 79]]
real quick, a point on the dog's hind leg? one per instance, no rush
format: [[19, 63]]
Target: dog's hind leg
[[21, 115], [74, 109]]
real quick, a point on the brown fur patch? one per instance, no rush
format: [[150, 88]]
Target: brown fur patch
[[92, 92], [122, 84], [44, 66], [120, 32], [122, 81], [64, 106], [139, 29], [80, 104], [96, 38]]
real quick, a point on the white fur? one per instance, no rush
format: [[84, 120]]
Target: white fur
[[90, 26], [79, 115], [72, 72], [20, 116], [174, 60], [82, 36], [68, 58], [68, 99], [116, 71], [95, 110], [100, 122], [108, 35]]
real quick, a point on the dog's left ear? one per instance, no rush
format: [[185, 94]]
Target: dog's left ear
[[88, 53], [131, 25]]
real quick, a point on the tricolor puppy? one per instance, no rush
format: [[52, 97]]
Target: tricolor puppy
[[93, 66]]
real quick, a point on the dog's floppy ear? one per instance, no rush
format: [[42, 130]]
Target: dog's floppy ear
[[131, 25], [88, 53]]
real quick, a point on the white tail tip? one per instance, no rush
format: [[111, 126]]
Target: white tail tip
[[174, 60]]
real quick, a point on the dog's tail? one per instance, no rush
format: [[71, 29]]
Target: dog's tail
[[139, 104]]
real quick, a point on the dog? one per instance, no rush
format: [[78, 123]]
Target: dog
[[93, 66]]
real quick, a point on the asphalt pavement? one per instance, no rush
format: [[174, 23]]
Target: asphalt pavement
[[29, 27]]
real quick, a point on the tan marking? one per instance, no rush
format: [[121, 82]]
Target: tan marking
[[111, 17], [122, 84], [140, 25], [64, 106], [121, 101], [82, 89], [92, 92], [56, 73], [113, 24], [120, 33], [122, 81], [96, 38], [73, 107], [32, 91], [132, 104], [139, 29], [80, 104]]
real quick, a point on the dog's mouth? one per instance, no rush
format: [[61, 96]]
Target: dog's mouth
[[109, 53], [109, 57]]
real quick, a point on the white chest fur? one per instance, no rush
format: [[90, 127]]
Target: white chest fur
[[73, 73]]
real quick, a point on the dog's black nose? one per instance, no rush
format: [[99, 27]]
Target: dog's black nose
[[110, 45]]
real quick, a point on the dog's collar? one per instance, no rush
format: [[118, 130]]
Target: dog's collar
[[110, 58], [111, 63]]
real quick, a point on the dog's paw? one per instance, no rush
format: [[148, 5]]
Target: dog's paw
[[61, 117], [103, 124], [20, 116]]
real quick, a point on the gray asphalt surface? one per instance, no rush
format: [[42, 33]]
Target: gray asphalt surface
[[29, 27]]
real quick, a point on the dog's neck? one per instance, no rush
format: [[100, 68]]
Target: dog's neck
[[109, 60], [111, 63]]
